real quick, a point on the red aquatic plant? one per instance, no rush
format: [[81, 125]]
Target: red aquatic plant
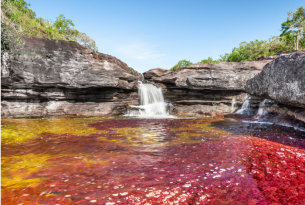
[[219, 169]]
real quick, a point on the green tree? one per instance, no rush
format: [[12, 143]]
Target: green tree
[[254, 49], [294, 26], [65, 27], [182, 64], [18, 19], [85, 40], [22, 6], [209, 61]]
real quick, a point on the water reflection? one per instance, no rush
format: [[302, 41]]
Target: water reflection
[[154, 161]]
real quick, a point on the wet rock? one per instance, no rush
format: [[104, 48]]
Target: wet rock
[[285, 116]]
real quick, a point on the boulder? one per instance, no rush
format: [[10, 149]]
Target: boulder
[[282, 80]]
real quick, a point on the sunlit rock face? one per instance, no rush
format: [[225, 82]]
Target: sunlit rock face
[[282, 80], [204, 89], [49, 77]]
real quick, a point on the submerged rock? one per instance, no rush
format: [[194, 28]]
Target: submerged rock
[[56, 77]]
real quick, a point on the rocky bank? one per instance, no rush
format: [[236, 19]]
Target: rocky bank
[[206, 89], [282, 81], [55, 77]]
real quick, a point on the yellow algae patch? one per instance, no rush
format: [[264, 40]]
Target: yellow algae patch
[[206, 126], [199, 132], [20, 130], [15, 170], [209, 128]]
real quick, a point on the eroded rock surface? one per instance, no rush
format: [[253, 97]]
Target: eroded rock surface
[[55, 77], [202, 89], [282, 80]]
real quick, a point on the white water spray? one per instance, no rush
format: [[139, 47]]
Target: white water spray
[[244, 108], [233, 104], [152, 103], [261, 110]]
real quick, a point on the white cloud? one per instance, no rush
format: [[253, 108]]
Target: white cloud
[[139, 51]]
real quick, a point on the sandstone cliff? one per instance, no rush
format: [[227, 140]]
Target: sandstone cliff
[[55, 77], [203, 89]]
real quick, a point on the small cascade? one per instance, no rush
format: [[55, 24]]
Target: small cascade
[[233, 104], [152, 103], [261, 110], [244, 108]]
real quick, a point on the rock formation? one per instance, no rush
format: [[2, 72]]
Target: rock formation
[[283, 81], [203, 89], [55, 77]]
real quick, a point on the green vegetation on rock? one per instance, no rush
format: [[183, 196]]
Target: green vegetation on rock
[[18, 19], [254, 49], [292, 38], [181, 64], [209, 61]]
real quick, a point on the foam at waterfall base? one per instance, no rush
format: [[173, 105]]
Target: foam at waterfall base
[[152, 103], [245, 107], [148, 111]]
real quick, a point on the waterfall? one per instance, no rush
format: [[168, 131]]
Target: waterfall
[[233, 104], [152, 103], [261, 111], [244, 108]]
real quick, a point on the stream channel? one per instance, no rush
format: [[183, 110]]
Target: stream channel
[[140, 160]]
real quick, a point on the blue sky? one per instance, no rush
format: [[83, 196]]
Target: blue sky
[[159, 33]]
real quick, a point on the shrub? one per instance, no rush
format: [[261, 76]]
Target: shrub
[[181, 64], [254, 49], [18, 18], [209, 61]]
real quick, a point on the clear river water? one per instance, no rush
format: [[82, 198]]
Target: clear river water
[[128, 160]]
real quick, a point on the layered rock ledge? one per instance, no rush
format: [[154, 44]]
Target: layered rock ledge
[[55, 77], [206, 89]]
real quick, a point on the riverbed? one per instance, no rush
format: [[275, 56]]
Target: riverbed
[[121, 160]]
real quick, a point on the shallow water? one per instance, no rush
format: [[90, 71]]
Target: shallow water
[[152, 161]]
